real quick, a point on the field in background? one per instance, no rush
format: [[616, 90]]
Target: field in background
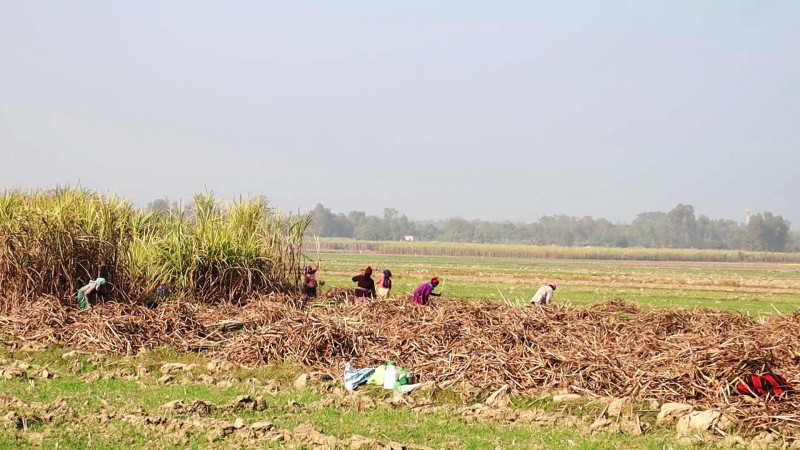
[[550, 251], [754, 288]]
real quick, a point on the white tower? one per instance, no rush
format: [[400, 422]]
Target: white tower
[[747, 214]]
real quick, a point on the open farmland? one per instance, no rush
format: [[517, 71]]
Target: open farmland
[[600, 376], [235, 358], [752, 288]]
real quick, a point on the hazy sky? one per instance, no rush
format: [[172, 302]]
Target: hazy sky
[[484, 110]]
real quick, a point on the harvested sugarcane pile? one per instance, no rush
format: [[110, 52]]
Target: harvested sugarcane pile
[[611, 348], [339, 295]]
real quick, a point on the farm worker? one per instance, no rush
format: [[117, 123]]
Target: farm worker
[[161, 290], [87, 294], [365, 291], [544, 295], [310, 280], [384, 283], [424, 291]]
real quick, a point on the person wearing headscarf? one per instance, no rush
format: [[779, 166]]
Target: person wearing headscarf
[[310, 280], [87, 295], [544, 295], [383, 284], [424, 291], [365, 290], [161, 290]]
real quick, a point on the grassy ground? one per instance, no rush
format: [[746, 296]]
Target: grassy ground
[[90, 401], [754, 288]]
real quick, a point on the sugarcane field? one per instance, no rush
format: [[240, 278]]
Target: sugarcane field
[[229, 326]]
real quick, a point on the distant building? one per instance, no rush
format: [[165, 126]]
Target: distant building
[[747, 215], [408, 237]]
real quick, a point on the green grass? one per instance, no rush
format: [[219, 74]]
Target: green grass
[[756, 289], [289, 407]]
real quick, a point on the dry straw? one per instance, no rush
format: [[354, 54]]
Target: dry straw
[[608, 349]]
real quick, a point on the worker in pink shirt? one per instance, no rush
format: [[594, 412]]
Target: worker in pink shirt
[[424, 291]]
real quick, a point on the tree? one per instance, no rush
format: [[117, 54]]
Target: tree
[[681, 227], [677, 228], [607, 234], [794, 241], [512, 232], [718, 234], [391, 218], [556, 230], [429, 232], [402, 227], [356, 217], [766, 232], [485, 232], [325, 223], [369, 229], [457, 229], [647, 229]]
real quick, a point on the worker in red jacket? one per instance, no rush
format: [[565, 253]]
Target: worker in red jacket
[[365, 290]]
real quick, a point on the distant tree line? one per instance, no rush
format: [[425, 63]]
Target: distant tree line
[[677, 228]]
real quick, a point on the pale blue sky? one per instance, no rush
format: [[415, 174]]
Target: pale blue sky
[[484, 110]]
